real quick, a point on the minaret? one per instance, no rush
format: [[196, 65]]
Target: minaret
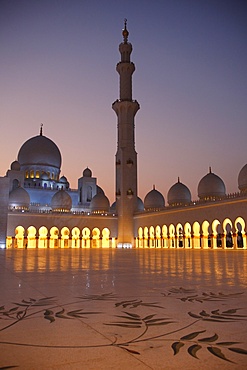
[[126, 156]]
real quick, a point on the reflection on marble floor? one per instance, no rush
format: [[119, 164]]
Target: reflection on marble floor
[[160, 312]]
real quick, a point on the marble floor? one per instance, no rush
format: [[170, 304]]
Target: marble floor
[[123, 309]]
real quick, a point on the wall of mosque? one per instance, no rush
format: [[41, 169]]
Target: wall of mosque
[[50, 230]]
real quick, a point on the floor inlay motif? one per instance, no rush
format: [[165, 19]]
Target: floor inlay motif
[[139, 324]]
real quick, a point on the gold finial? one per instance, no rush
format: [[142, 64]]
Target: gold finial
[[41, 130], [125, 32]]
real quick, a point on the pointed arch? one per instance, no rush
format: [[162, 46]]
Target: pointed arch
[[96, 238], [172, 236], [151, 237], [31, 237], [86, 237], [196, 235], [187, 235], [165, 236], [227, 233], [105, 238], [146, 235], [140, 237], [179, 235], [42, 241], [19, 237], [75, 232], [158, 236], [216, 237], [239, 225], [65, 232], [54, 240], [206, 237]]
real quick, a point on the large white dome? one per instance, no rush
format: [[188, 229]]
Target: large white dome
[[178, 194], [39, 151], [154, 201], [211, 187]]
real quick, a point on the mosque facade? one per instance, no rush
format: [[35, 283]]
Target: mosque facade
[[38, 209]]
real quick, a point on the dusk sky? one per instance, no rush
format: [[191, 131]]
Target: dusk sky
[[57, 67]]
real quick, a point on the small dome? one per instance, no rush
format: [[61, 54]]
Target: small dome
[[100, 203], [19, 198], [15, 166], [211, 187], [242, 180], [61, 201], [87, 172], [63, 179], [140, 205], [154, 201], [178, 194]]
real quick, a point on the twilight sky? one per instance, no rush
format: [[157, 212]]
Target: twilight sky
[[57, 67]]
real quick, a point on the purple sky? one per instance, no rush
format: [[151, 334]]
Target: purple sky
[[58, 68]]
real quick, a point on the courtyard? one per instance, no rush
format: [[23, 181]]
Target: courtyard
[[123, 309]]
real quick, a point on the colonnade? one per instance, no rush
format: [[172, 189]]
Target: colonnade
[[64, 238], [225, 235]]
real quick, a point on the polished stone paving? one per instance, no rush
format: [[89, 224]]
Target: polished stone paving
[[123, 309]]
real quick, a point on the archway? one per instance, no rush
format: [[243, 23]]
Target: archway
[[216, 235], [85, 237], [151, 237], [19, 237], [42, 242], [96, 238], [196, 235], [164, 236], [179, 236], [65, 237], [240, 232], [146, 245], [158, 236], [206, 238], [105, 238], [31, 237], [227, 233], [187, 235], [54, 241], [75, 237], [140, 237], [172, 236]]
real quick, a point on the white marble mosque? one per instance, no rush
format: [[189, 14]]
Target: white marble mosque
[[40, 210], [140, 285]]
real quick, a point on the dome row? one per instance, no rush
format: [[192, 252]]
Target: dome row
[[210, 187]]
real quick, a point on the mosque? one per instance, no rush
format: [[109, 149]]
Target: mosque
[[38, 209]]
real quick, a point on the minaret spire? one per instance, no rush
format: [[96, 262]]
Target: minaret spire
[[125, 32], [126, 156]]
